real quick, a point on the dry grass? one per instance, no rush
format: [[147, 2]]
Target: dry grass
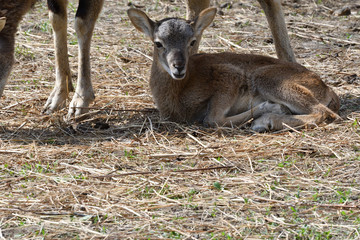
[[128, 174]]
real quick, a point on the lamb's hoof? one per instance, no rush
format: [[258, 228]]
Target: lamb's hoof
[[259, 129]]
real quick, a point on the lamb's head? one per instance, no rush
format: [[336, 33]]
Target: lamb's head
[[174, 38]]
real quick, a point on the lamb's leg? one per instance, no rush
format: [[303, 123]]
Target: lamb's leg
[[274, 122], [86, 15], [63, 85], [275, 17], [256, 112], [302, 103], [218, 108]]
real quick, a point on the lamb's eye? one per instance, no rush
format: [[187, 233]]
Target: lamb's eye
[[192, 43], [158, 44]]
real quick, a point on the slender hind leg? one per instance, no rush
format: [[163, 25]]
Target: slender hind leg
[[300, 101], [256, 112], [275, 17], [86, 15], [273, 122], [63, 85]]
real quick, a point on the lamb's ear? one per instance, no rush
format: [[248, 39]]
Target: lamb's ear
[[142, 22], [2, 23], [204, 19]]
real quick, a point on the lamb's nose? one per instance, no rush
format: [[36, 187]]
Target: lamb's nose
[[179, 66]]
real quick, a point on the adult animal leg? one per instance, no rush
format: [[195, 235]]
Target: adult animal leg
[[193, 9], [63, 85], [6, 57], [276, 20], [10, 15], [274, 15], [86, 16]]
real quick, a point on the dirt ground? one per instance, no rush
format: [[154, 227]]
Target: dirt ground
[[123, 173]]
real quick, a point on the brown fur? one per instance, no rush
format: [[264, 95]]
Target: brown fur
[[229, 88]]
